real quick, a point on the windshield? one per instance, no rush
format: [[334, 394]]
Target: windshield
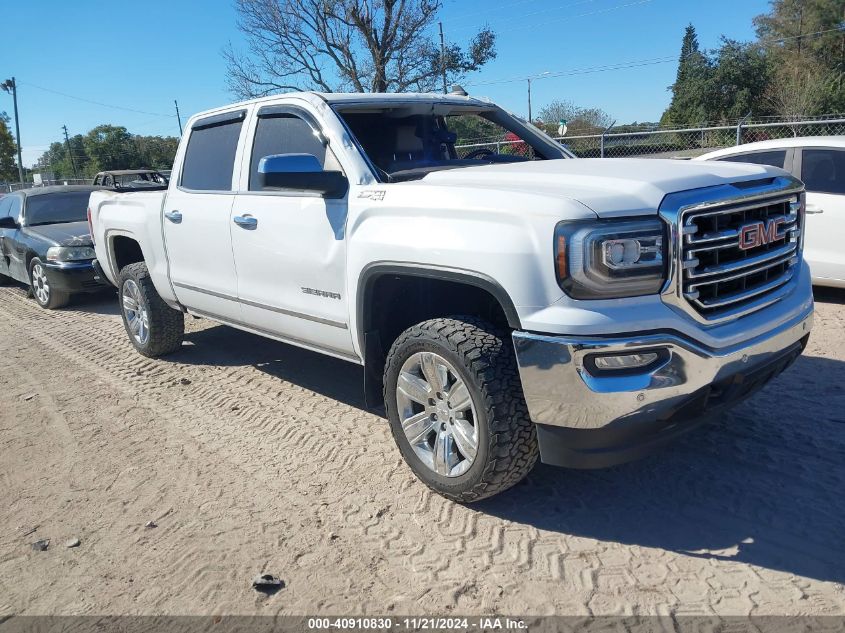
[[56, 208], [408, 141]]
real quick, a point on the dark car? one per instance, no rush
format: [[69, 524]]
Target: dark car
[[129, 179], [45, 242]]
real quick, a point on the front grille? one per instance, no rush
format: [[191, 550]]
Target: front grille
[[720, 279]]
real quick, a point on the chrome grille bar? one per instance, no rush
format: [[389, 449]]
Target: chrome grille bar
[[722, 278]]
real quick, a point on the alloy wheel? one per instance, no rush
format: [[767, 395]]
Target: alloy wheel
[[40, 285], [135, 311], [437, 414]]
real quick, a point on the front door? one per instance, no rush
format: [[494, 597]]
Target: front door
[[197, 219], [823, 173], [289, 246]]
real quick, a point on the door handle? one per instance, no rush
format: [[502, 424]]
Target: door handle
[[174, 216], [811, 209], [246, 221]]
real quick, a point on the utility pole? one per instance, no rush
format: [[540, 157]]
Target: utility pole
[[10, 86], [70, 153], [443, 58], [529, 99], [178, 118]]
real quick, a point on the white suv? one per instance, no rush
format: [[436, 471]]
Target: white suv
[[820, 162]]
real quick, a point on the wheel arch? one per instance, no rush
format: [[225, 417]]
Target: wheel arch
[[373, 341]]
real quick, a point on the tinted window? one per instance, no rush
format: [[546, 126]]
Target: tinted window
[[54, 208], [282, 134], [775, 158], [15, 208], [823, 170], [5, 206], [210, 157]]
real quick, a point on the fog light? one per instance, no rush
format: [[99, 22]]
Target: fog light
[[625, 361]]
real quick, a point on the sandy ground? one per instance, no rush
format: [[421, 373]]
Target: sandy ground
[[254, 456]]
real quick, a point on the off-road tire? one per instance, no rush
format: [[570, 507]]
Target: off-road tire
[[166, 325], [484, 356], [55, 298]]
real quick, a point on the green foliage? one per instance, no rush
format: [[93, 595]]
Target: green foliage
[[794, 70], [8, 148], [106, 147], [689, 92], [578, 120]]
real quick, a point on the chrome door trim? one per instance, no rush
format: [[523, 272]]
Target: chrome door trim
[[240, 325], [298, 315]]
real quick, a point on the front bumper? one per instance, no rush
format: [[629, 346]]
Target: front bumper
[[587, 418], [73, 276]]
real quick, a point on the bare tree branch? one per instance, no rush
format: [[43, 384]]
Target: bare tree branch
[[334, 45]]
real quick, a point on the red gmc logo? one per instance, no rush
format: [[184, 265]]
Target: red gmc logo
[[757, 234]]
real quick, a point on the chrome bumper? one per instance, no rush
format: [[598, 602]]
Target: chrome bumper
[[561, 391]]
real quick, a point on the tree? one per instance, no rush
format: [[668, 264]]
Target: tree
[[794, 94], [689, 91], [806, 41], [8, 148], [737, 82], [578, 119], [352, 45], [111, 147]]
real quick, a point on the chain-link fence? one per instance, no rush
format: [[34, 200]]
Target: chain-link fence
[[8, 187], [656, 142]]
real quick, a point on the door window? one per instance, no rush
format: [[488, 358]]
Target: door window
[[775, 158], [823, 170], [210, 156], [15, 208], [283, 133], [6, 206]]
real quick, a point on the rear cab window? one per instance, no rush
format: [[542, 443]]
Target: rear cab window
[[775, 158], [210, 155]]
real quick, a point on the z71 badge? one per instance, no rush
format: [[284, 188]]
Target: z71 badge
[[373, 194]]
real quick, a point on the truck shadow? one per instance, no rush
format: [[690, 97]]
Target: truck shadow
[[763, 485]]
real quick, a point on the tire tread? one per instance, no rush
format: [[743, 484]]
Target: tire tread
[[167, 326], [489, 356]]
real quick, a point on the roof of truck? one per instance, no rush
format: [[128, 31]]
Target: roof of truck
[[350, 98]]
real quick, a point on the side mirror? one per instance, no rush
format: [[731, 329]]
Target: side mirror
[[300, 172], [7, 222]]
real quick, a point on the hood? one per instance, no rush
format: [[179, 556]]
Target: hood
[[64, 234], [608, 186]]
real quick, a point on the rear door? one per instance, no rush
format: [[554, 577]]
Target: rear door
[[823, 171], [291, 255], [197, 217]]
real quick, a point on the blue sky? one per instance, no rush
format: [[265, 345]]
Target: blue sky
[[142, 56]]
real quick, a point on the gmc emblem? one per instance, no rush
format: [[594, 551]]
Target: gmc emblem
[[756, 234]]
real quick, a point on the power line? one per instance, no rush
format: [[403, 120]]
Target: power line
[[99, 103], [631, 64]]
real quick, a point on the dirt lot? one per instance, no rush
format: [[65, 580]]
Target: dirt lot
[[251, 455]]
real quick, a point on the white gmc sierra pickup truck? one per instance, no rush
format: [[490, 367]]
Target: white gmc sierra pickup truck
[[506, 302]]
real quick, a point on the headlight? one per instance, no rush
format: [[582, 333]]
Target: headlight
[[69, 253], [610, 259]]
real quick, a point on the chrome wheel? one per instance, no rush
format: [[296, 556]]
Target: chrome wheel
[[437, 414], [135, 311], [40, 285]]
